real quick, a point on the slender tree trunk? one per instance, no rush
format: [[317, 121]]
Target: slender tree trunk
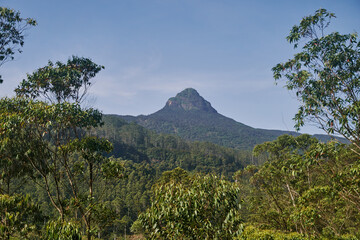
[[5, 223], [91, 201], [8, 184]]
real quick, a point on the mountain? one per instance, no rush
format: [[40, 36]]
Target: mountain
[[187, 101], [191, 117]]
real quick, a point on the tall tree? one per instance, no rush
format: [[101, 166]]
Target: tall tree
[[12, 27], [55, 140], [325, 76], [60, 82], [65, 161]]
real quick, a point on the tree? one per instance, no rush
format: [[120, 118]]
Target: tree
[[281, 180], [59, 82], [325, 76], [12, 27], [61, 230], [65, 161], [43, 133], [13, 169], [305, 186], [53, 139], [204, 207], [19, 217]]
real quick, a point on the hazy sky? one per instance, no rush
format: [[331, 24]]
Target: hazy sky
[[153, 49]]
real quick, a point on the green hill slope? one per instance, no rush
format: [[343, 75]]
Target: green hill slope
[[138, 144]]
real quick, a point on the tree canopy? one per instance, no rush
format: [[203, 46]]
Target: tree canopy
[[60, 82], [325, 76], [197, 207], [12, 28]]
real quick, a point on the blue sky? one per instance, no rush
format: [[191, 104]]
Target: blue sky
[[153, 49]]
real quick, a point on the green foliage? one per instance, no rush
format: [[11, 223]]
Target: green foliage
[[253, 233], [313, 189], [177, 175], [152, 154], [12, 28], [321, 180], [134, 142], [305, 187], [136, 227], [91, 148], [66, 162], [113, 168], [59, 82], [13, 167], [205, 208], [59, 230], [295, 187], [325, 77], [19, 217]]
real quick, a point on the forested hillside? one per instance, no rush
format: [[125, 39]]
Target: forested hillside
[[305, 189], [144, 156], [138, 144], [69, 172]]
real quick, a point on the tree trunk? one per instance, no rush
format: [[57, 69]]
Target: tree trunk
[[91, 196]]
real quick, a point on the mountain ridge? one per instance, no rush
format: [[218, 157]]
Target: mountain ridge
[[189, 116]]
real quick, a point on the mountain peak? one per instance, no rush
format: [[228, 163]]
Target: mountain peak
[[189, 100], [188, 93]]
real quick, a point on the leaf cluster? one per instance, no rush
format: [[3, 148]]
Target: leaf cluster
[[19, 217], [60, 82], [305, 186], [325, 76], [205, 208]]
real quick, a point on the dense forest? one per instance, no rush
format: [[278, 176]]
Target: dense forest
[[70, 172]]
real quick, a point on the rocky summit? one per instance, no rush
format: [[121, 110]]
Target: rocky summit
[[189, 100]]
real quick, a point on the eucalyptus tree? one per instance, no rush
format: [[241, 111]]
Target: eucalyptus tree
[[63, 160], [192, 207], [12, 28], [50, 133], [325, 76], [60, 82]]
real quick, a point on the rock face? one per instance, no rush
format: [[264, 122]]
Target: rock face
[[189, 100]]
